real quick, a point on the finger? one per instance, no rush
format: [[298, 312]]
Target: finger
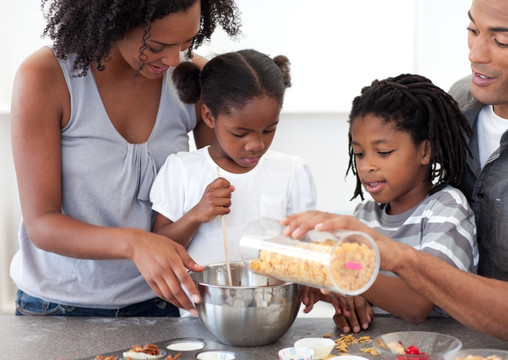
[[364, 311], [303, 294], [334, 300], [311, 301], [298, 225], [183, 276], [167, 294], [352, 316], [344, 306], [220, 183], [341, 322], [153, 285]]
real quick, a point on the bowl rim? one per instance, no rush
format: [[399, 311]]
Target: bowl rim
[[308, 350], [327, 340], [209, 266]]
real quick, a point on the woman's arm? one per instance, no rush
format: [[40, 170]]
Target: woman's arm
[[477, 302], [40, 108]]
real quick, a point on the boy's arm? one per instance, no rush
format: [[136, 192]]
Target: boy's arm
[[477, 302]]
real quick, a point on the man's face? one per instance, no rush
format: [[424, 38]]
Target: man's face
[[488, 53]]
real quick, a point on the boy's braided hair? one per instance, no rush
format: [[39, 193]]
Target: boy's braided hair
[[416, 106]]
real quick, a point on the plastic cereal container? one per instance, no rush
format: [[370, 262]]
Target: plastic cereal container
[[346, 262]]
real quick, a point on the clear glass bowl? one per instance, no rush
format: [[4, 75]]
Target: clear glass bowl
[[436, 346]]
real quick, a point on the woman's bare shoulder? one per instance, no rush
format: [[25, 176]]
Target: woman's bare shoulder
[[41, 79], [42, 65]]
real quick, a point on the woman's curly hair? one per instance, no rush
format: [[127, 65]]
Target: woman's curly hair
[[87, 29]]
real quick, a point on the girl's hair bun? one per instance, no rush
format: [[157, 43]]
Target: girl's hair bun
[[186, 77], [283, 63]]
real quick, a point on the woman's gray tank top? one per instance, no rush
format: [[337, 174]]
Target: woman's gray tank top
[[105, 181]]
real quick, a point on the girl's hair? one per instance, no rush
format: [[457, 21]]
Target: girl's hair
[[88, 29], [416, 106], [230, 80]]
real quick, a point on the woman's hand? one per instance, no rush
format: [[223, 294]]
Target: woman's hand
[[164, 263]]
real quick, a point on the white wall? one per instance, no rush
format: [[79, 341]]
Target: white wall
[[335, 47]]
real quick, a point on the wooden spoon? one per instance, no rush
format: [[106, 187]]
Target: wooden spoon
[[230, 281]]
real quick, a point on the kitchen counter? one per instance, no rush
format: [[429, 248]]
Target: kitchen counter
[[79, 338]]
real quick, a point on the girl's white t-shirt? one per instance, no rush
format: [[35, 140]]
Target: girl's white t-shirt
[[278, 186]]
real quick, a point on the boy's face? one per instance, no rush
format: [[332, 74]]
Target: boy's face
[[390, 166], [488, 54], [244, 135]]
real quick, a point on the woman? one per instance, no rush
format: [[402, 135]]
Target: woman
[[93, 118]]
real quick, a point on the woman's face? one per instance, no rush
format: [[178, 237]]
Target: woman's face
[[243, 135], [168, 37], [391, 167]]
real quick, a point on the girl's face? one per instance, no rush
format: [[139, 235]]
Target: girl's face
[[390, 166], [243, 135], [168, 36]]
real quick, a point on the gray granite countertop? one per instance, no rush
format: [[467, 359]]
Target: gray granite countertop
[[80, 338]]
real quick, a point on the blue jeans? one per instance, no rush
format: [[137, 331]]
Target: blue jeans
[[30, 305]]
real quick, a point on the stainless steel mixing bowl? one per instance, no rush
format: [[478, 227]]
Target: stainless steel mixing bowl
[[255, 311]]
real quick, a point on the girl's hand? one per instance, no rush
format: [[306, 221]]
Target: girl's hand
[[164, 263], [309, 296], [351, 312], [215, 201]]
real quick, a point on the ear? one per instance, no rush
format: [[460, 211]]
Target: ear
[[207, 116], [426, 152]]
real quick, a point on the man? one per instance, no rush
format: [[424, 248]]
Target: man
[[483, 98], [477, 301]]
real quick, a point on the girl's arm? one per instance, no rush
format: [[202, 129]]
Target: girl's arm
[[215, 201], [477, 302], [40, 108]]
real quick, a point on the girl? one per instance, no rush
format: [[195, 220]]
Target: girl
[[408, 151], [93, 118], [242, 94]]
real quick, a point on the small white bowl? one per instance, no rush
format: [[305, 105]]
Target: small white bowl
[[322, 347], [216, 355], [296, 353], [142, 356], [348, 357], [186, 345]]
